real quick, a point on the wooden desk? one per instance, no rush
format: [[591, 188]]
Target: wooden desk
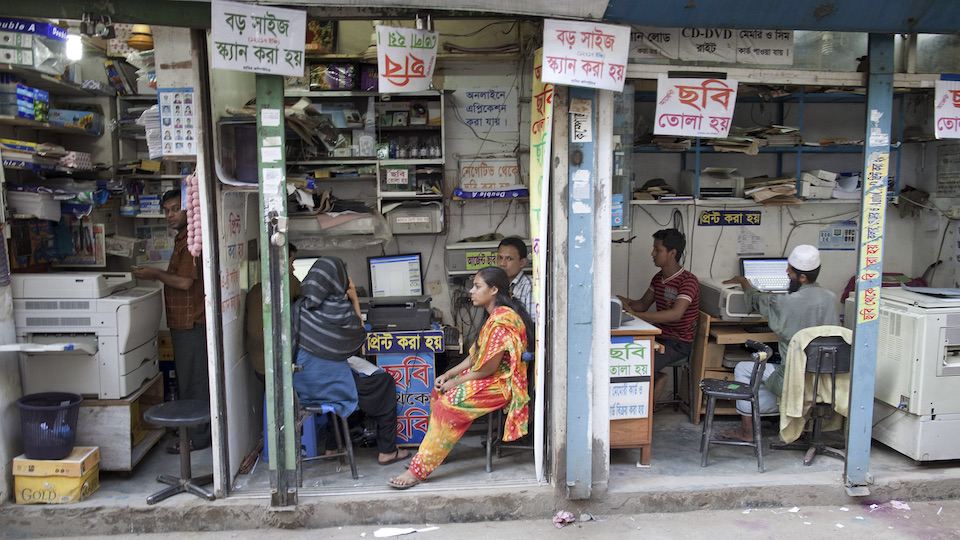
[[634, 432], [713, 335]]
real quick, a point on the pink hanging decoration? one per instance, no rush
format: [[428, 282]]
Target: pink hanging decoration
[[192, 201]]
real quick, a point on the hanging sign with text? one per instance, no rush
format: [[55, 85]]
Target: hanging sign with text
[[695, 107], [946, 109], [258, 39], [585, 54], [406, 58], [744, 46]]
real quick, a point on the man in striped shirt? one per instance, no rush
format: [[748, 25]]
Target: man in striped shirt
[[676, 293]]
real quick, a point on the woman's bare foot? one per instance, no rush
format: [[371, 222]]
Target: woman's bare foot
[[404, 480], [399, 454], [736, 434]]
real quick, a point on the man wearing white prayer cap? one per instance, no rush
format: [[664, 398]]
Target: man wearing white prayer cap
[[807, 304]]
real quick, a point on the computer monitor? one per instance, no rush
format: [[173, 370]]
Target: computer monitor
[[395, 275], [766, 273]]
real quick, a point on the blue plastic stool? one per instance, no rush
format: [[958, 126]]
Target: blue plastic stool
[[308, 441]]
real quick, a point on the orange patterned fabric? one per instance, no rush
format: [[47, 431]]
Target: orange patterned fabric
[[452, 413]]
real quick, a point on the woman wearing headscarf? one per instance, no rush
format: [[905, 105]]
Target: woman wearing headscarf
[[328, 329], [492, 377]]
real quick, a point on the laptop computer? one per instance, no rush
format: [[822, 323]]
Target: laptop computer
[[768, 274]]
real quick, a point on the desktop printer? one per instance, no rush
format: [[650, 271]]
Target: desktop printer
[[396, 313], [724, 301], [713, 183], [93, 334]]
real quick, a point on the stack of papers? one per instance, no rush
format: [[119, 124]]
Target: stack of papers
[[150, 120]]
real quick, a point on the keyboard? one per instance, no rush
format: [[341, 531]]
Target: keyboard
[[771, 283], [757, 329]]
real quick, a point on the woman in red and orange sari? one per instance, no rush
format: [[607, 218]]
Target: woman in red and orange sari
[[492, 377]]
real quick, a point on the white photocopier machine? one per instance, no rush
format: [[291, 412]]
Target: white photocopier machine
[[917, 407], [93, 334]]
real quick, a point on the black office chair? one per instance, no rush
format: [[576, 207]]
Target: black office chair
[[827, 355], [715, 389]]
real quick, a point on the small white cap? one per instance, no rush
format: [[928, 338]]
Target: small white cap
[[804, 258]]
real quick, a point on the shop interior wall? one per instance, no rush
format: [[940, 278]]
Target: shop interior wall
[[911, 242]]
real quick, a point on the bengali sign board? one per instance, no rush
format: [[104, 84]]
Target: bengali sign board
[[414, 375], [404, 342], [406, 58], [259, 39], [715, 218], [630, 370], [947, 109], [488, 109], [629, 400], [871, 234], [744, 46], [585, 54], [629, 358], [695, 107], [490, 174]]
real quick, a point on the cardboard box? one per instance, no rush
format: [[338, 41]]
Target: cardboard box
[[55, 489], [77, 464], [123, 246], [76, 160], [89, 121], [809, 191]]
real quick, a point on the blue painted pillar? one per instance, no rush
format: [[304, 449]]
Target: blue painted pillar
[[870, 262], [580, 291]]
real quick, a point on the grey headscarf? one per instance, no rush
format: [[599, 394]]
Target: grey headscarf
[[324, 321]]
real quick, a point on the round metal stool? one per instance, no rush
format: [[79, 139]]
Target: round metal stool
[[181, 414]]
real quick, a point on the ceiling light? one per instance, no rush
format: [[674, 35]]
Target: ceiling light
[[74, 44]]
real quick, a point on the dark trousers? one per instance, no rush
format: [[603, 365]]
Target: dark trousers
[[193, 381], [674, 350], [378, 400]]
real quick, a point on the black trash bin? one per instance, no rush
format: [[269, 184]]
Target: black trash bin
[[49, 424]]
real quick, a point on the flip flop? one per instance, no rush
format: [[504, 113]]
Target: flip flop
[[396, 458], [720, 437], [396, 485]]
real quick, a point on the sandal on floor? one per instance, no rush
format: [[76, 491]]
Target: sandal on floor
[[396, 458], [397, 485]]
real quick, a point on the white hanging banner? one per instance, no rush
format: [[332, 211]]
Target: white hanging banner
[[585, 54], [406, 58], [946, 109], [695, 107], [260, 39]]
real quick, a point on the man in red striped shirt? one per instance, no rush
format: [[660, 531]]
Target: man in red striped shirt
[[676, 293]]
